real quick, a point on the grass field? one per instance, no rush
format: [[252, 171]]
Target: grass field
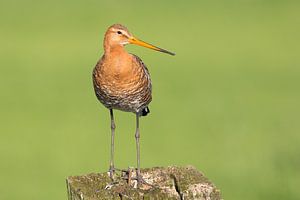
[[227, 103]]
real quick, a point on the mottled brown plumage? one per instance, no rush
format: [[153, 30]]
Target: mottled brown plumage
[[122, 81]]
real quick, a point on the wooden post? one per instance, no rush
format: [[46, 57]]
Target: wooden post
[[164, 183]]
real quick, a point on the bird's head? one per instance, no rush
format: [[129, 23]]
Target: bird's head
[[118, 35]]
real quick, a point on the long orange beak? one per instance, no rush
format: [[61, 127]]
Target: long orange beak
[[136, 41]]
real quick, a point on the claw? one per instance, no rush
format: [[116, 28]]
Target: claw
[[110, 185], [141, 181]]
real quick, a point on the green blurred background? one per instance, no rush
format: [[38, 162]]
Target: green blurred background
[[227, 103]]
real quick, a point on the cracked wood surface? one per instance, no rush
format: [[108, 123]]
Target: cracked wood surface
[[163, 183]]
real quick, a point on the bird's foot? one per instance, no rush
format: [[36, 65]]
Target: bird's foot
[[110, 185], [141, 182], [132, 176]]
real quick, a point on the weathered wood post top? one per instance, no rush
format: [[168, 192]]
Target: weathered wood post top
[[163, 183]]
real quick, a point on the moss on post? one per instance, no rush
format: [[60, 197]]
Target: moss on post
[[164, 183]]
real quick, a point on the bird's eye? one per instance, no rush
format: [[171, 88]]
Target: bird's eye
[[119, 32]]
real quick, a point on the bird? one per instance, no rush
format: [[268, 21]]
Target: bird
[[122, 82]]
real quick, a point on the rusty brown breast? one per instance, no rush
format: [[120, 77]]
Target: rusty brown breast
[[122, 81]]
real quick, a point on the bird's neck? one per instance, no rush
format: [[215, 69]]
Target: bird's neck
[[118, 60], [115, 52]]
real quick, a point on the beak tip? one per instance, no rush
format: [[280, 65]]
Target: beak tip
[[168, 52]]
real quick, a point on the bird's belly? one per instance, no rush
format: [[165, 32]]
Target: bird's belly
[[131, 96]]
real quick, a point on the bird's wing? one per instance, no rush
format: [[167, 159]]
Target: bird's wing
[[142, 64]]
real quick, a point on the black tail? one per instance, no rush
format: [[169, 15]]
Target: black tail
[[145, 111]]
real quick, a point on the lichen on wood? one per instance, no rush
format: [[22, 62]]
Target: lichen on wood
[[162, 183]]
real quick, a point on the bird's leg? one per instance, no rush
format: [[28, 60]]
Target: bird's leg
[[139, 177], [137, 140], [113, 127]]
